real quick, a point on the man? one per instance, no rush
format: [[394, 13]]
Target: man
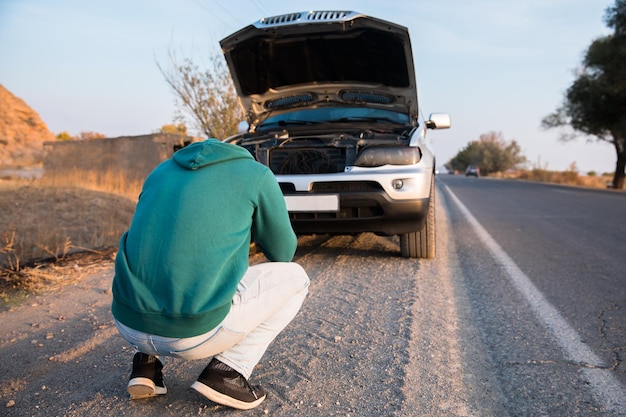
[[182, 284]]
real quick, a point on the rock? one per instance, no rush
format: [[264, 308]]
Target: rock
[[22, 132]]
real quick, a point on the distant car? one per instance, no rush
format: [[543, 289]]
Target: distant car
[[472, 170], [332, 110]]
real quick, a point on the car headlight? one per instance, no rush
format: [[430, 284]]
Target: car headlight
[[388, 155]]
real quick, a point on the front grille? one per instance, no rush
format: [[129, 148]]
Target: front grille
[[300, 161], [334, 187], [345, 213], [287, 188], [345, 186]]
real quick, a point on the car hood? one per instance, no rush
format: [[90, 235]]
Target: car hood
[[313, 59]]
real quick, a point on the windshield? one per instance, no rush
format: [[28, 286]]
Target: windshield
[[335, 114]]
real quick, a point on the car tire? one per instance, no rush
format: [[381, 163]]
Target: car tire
[[421, 244]]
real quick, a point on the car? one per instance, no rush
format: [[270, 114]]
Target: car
[[332, 109], [472, 170]]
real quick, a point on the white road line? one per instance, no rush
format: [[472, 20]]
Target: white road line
[[605, 386]]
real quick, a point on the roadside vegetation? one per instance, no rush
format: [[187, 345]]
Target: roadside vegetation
[[594, 105], [205, 95], [570, 177], [491, 152], [499, 158], [70, 223]]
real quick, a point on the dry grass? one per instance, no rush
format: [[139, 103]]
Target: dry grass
[[570, 177], [44, 223], [50, 274], [115, 183]]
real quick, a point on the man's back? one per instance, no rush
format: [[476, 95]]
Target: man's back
[[187, 247]]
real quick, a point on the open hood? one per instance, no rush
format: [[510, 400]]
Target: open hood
[[313, 59]]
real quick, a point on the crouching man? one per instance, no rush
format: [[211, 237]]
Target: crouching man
[[183, 287]]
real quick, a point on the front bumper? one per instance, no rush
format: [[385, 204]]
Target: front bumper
[[359, 212]]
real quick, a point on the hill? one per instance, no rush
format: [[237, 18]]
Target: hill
[[22, 132]]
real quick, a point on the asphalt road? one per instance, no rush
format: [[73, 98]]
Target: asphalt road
[[522, 313], [544, 271]]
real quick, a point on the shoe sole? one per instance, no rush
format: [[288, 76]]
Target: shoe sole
[[140, 387], [223, 399]]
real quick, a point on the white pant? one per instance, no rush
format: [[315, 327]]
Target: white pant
[[267, 299]]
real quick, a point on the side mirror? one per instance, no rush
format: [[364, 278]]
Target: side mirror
[[438, 121]]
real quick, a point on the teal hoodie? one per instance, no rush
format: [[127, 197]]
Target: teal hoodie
[[187, 248]]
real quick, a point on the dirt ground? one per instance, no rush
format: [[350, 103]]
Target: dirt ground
[[62, 354]]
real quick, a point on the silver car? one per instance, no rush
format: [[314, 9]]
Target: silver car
[[332, 110]]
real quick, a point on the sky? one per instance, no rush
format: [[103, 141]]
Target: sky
[[493, 65]]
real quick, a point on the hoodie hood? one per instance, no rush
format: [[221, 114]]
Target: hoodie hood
[[208, 152]]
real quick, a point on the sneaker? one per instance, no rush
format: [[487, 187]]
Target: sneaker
[[146, 379], [223, 385]]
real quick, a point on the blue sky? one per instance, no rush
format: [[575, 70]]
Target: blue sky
[[493, 65]]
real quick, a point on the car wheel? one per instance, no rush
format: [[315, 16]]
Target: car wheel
[[421, 244]]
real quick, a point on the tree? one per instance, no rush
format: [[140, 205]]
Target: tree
[[491, 153], [205, 97], [179, 129], [595, 104], [64, 136], [89, 135], [81, 136]]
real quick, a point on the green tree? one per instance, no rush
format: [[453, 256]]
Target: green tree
[[595, 104], [492, 153], [204, 97]]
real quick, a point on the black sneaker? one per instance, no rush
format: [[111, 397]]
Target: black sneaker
[[146, 380], [223, 385]]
